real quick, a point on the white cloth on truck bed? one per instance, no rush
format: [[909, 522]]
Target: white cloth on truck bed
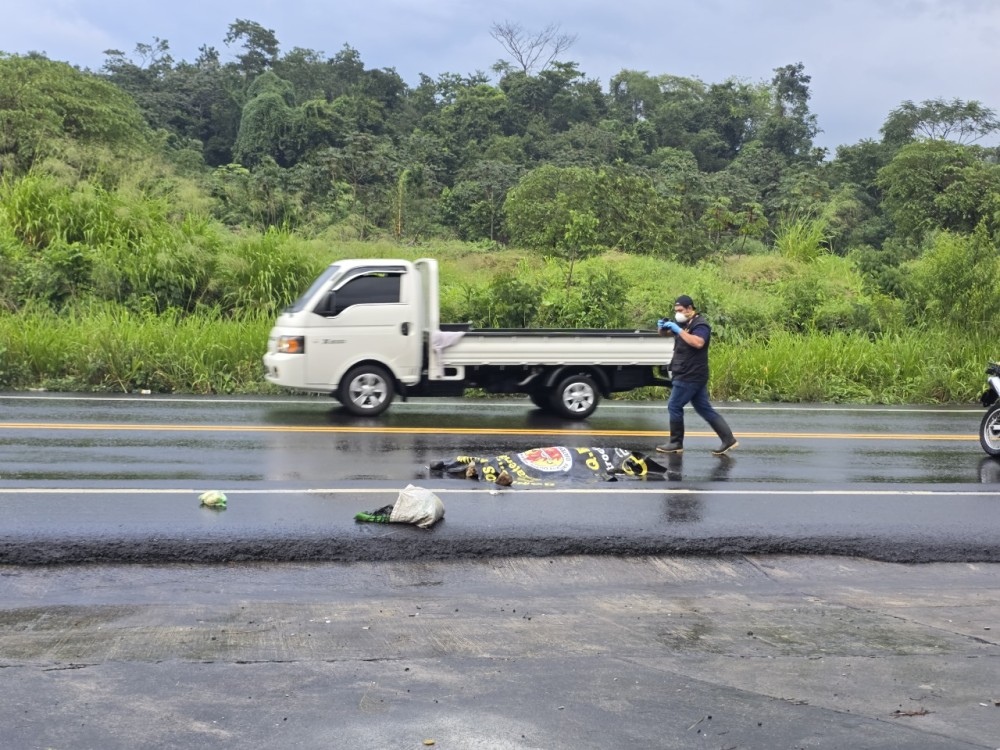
[[443, 339]]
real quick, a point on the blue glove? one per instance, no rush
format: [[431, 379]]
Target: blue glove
[[661, 324], [673, 328]]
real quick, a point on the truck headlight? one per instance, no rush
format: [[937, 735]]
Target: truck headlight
[[291, 344]]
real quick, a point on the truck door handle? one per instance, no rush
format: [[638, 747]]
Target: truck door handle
[[405, 329]]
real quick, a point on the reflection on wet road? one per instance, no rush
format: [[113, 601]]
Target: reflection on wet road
[[128, 441]]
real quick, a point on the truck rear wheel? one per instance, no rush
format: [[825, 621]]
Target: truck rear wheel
[[366, 391], [575, 397]]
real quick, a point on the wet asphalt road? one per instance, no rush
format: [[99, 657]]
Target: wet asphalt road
[[485, 633], [116, 479], [565, 653]]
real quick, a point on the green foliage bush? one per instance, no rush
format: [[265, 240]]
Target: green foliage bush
[[956, 282], [534, 295], [508, 301]]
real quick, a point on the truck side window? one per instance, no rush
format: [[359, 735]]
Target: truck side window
[[382, 288]]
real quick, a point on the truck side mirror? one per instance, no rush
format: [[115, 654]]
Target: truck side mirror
[[328, 305]]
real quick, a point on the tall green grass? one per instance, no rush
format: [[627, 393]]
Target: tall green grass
[[850, 367], [112, 348]]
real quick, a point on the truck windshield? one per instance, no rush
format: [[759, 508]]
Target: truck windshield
[[322, 281]]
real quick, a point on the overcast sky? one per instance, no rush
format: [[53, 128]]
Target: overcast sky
[[865, 57]]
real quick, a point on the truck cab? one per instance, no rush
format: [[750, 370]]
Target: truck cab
[[355, 333]]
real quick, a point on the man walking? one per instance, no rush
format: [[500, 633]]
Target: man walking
[[689, 372]]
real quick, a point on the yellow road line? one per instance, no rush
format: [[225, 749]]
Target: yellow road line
[[469, 431]]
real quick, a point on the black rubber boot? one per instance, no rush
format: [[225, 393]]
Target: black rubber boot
[[676, 444], [725, 434]]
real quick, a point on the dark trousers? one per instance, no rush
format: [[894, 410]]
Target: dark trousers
[[696, 394]]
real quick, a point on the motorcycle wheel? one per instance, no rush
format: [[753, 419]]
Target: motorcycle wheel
[[989, 431]]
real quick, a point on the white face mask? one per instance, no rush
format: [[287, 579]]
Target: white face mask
[[680, 317]]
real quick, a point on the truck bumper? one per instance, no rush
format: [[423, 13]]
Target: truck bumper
[[288, 370]]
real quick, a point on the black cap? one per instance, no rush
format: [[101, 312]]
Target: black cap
[[684, 301]]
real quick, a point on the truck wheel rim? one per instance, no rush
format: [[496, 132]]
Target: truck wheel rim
[[578, 397], [367, 391]]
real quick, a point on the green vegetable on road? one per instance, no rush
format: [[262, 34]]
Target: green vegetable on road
[[213, 499]]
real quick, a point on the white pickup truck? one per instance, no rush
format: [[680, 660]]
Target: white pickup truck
[[367, 330]]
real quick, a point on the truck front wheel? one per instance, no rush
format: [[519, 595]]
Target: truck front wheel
[[366, 391], [575, 397]]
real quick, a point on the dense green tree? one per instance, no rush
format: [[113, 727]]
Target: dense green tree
[[268, 122], [385, 87], [961, 121], [556, 98], [846, 211], [857, 218], [938, 184], [859, 164], [790, 127], [734, 110], [306, 71], [265, 197], [762, 169], [316, 125], [47, 105], [477, 114], [370, 165], [146, 81], [635, 95], [347, 71], [714, 122], [214, 97], [474, 207], [675, 174], [801, 191], [260, 46], [360, 114], [630, 214], [198, 101], [884, 267], [538, 206], [584, 144], [680, 117]]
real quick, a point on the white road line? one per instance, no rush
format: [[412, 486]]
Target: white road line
[[512, 404], [486, 491]]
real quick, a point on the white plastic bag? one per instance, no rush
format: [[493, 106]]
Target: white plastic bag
[[417, 505]]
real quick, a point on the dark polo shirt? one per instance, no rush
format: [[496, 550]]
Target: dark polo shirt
[[690, 365]]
